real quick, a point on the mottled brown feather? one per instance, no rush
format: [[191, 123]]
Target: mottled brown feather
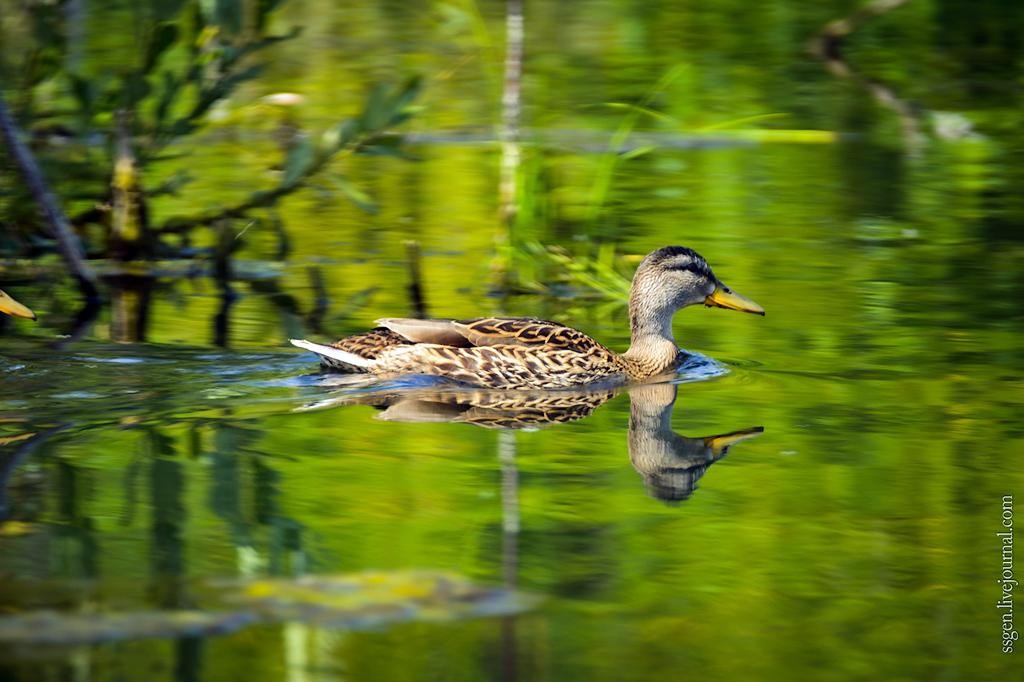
[[502, 366], [505, 352], [500, 331], [372, 343]]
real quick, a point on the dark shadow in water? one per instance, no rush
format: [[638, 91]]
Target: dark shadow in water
[[81, 325], [222, 320], [130, 298], [26, 443], [670, 464], [168, 565]]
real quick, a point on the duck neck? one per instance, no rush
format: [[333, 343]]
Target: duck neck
[[652, 348]]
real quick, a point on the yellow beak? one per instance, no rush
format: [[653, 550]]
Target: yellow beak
[[11, 307], [719, 444], [724, 297]]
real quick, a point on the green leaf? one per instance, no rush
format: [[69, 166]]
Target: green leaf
[[409, 91], [736, 122], [257, 45], [198, 27], [358, 196], [638, 151], [167, 94], [222, 88], [386, 145], [299, 161], [163, 37], [375, 112], [350, 130], [646, 111]]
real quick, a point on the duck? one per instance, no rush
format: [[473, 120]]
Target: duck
[[11, 307], [521, 353]]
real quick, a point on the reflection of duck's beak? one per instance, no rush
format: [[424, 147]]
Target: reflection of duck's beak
[[11, 307], [719, 444], [724, 297]]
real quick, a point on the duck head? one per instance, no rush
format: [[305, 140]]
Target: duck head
[[674, 277], [668, 279]]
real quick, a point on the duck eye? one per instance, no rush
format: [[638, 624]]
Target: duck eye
[[688, 266]]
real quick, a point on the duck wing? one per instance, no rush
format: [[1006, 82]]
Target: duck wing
[[493, 331], [440, 332], [370, 344]]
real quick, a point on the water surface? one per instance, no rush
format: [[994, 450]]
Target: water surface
[[853, 538]]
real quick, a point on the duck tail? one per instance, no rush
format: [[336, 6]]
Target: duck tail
[[335, 358]]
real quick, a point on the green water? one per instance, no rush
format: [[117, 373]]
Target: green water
[[853, 539]]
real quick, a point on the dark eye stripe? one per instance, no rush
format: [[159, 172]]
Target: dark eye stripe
[[694, 267]]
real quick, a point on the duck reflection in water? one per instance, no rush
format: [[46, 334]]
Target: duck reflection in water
[[669, 463]]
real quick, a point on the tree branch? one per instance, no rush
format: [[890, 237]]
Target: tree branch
[[59, 225]]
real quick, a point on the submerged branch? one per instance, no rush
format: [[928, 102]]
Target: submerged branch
[[61, 228], [829, 41], [828, 46], [8, 463], [261, 199]]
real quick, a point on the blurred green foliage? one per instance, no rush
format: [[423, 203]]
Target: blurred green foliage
[[849, 541], [187, 57]]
